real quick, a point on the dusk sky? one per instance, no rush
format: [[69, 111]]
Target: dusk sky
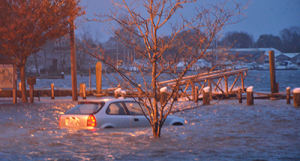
[[262, 16]]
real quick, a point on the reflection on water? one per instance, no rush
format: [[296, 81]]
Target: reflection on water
[[224, 131]]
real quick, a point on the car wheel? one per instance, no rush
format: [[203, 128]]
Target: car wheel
[[177, 124], [108, 127]]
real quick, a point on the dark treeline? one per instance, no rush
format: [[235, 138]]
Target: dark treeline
[[288, 40]]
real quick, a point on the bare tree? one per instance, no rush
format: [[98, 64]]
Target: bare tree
[[25, 26], [291, 39], [83, 41], [158, 54], [238, 39]]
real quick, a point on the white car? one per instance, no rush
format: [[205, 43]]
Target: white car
[[109, 113]]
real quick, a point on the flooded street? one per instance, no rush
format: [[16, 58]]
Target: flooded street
[[227, 130]]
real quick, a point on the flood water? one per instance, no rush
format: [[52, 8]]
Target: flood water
[[260, 80], [226, 130]]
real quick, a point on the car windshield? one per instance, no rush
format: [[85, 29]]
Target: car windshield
[[85, 108]]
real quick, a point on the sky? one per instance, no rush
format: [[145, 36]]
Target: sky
[[262, 17]]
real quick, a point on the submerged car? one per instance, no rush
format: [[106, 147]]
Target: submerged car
[[109, 113]]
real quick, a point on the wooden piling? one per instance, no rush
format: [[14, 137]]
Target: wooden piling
[[14, 93], [83, 92], [15, 84], [52, 90], [98, 77], [196, 94], [240, 95], [73, 60], [272, 72], [288, 95], [31, 97], [242, 81], [193, 90], [226, 84], [31, 81], [249, 91], [296, 97], [206, 96]]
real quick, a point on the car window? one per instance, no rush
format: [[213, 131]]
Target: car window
[[134, 108], [116, 109], [85, 108]]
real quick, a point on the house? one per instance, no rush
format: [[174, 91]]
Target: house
[[55, 56]]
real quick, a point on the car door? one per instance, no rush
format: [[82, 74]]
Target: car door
[[137, 117], [117, 115]]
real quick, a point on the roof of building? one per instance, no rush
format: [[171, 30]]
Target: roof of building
[[291, 55]]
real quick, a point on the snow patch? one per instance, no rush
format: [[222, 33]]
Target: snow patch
[[206, 89], [296, 90], [163, 89], [249, 89]]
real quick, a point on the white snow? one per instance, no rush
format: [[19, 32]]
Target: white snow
[[249, 89], [296, 90]]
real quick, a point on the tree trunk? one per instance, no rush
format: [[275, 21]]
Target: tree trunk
[[36, 63], [156, 125], [23, 83]]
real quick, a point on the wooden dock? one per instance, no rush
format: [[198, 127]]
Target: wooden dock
[[187, 86]]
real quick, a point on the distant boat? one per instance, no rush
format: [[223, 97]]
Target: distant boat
[[286, 65]]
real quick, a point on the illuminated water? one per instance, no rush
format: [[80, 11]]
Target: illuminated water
[[227, 130]]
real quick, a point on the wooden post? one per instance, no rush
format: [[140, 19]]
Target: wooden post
[[249, 91], [288, 95], [240, 95], [83, 92], [15, 77], [193, 90], [73, 60], [272, 72], [20, 86], [81, 89], [14, 94], [206, 96], [296, 96], [31, 81], [163, 95], [31, 89], [226, 84], [196, 94], [52, 90], [242, 81], [98, 77]]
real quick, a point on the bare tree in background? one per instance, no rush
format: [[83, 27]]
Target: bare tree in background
[[158, 54], [291, 39], [84, 40]]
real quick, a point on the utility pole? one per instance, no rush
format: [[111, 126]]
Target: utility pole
[[73, 61]]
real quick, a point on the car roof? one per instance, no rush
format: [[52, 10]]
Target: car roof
[[110, 99]]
